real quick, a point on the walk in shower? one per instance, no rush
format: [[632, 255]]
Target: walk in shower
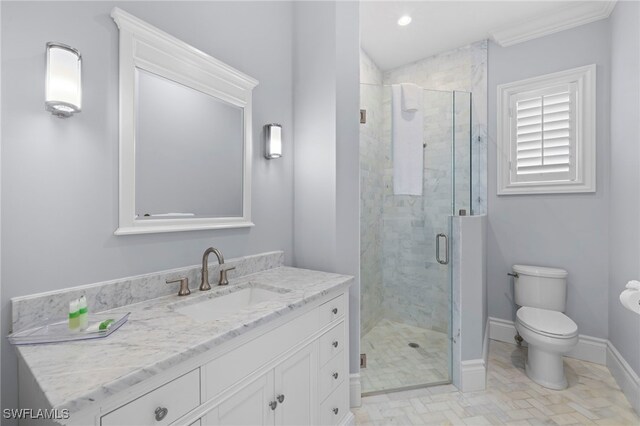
[[406, 256]]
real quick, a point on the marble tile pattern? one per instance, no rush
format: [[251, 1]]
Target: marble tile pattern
[[52, 306], [463, 69], [511, 398], [416, 286], [393, 364], [371, 194], [156, 338]]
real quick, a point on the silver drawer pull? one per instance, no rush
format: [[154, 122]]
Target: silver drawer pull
[[273, 405], [335, 343], [161, 413], [280, 398], [335, 411], [334, 310], [335, 375]]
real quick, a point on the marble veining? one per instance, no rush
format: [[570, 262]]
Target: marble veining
[[28, 311], [76, 375]]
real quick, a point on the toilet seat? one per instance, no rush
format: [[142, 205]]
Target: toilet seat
[[548, 323]]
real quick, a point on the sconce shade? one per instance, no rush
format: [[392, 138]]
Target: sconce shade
[[273, 141], [63, 85]]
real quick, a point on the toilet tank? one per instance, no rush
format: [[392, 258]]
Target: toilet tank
[[540, 287]]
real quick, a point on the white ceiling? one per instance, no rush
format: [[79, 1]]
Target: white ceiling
[[438, 26]]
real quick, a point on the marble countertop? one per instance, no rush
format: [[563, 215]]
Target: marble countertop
[[75, 375]]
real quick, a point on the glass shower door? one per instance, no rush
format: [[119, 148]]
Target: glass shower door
[[405, 247]]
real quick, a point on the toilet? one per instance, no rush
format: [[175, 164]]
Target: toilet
[[541, 294]]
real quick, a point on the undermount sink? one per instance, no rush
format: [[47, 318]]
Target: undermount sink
[[221, 306]]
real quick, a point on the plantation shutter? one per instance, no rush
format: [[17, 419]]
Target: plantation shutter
[[543, 135]]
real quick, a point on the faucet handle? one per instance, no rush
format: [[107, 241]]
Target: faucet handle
[[223, 275], [184, 285]]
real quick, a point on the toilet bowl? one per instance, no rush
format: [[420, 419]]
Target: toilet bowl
[[549, 335], [542, 293]]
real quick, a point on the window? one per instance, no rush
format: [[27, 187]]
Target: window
[[546, 134]]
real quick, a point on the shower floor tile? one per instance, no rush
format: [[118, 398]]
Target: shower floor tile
[[393, 364]]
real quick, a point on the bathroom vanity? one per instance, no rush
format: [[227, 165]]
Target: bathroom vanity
[[271, 348]]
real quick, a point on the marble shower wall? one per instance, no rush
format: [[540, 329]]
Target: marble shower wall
[[415, 288], [371, 194], [465, 70]]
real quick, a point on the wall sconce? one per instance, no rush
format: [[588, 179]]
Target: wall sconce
[[273, 141], [63, 86]]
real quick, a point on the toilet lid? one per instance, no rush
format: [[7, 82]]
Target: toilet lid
[[544, 321]]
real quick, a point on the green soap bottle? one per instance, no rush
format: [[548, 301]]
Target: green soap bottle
[[84, 313], [74, 315]]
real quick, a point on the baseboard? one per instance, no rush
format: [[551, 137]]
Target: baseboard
[[502, 330], [591, 349], [473, 375], [626, 378], [485, 343], [355, 390]]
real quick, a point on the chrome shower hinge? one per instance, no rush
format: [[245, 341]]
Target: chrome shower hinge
[[363, 116], [363, 360]]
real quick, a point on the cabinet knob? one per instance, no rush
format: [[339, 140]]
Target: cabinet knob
[[161, 413], [335, 375], [280, 398], [334, 310], [335, 411], [335, 343], [273, 405]]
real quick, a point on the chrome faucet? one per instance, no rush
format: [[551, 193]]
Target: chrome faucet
[[204, 284]]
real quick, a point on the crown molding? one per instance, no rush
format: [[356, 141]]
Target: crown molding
[[564, 19]]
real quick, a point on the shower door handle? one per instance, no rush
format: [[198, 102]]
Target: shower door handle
[[446, 249]]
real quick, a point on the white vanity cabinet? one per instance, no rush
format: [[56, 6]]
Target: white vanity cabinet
[[284, 395], [291, 371]]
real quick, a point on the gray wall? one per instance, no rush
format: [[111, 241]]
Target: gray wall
[[326, 201], [60, 177], [347, 163], [564, 230], [624, 258]]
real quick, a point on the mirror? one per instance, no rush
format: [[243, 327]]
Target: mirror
[[186, 139], [185, 135]]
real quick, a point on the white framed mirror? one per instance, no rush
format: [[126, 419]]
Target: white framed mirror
[[185, 135]]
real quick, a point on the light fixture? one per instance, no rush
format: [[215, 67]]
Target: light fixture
[[404, 20], [63, 85], [273, 141]]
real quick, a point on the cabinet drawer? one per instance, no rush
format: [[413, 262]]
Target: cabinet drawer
[[177, 397], [334, 408], [331, 375], [331, 343], [332, 310]]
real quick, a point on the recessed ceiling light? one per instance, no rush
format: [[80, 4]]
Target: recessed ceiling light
[[404, 20]]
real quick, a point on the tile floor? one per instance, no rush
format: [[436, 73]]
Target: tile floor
[[393, 364], [511, 398]]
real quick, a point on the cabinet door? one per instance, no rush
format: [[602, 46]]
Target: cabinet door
[[296, 388], [249, 406]]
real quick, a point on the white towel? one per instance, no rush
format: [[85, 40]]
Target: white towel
[[407, 147], [630, 299], [411, 97]]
